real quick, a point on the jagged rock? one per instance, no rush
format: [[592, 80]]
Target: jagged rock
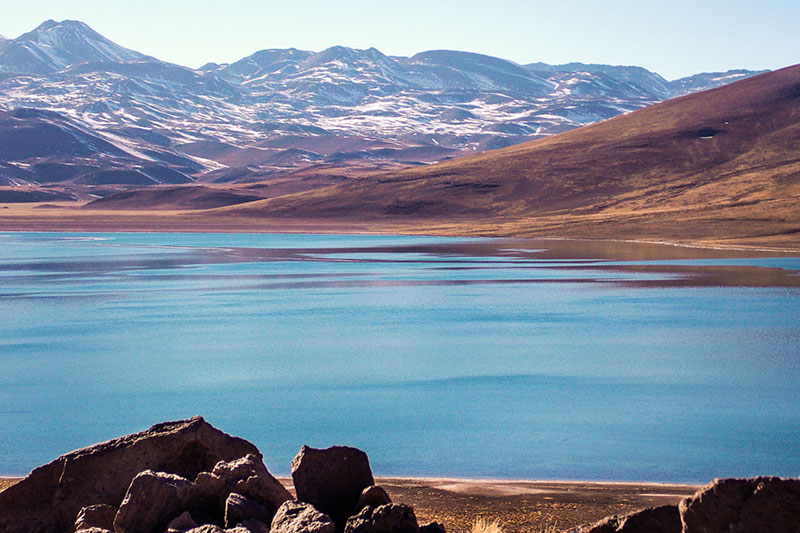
[[332, 479], [94, 530], [238, 509], [755, 505], [373, 496], [390, 518], [664, 519], [300, 517], [49, 498], [96, 516], [433, 527], [183, 523], [247, 476], [153, 500]]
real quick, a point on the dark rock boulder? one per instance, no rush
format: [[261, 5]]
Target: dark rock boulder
[[300, 517], [239, 508], [50, 497], [247, 476], [664, 519], [374, 496], [433, 527], [332, 479], [390, 518], [755, 505], [182, 523], [153, 500], [96, 516]]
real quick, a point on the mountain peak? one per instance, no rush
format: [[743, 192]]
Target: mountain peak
[[54, 46], [46, 25]]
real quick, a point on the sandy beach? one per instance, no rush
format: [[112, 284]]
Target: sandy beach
[[527, 506]]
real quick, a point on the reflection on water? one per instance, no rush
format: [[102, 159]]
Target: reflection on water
[[439, 356]]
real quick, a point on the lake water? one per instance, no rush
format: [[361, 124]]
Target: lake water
[[437, 356]]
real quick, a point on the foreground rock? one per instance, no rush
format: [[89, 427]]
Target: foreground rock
[[247, 477], [390, 518], [332, 480], [96, 516], [153, 500], [300, 517], [762, 504], [239, 509], [373, 496], [49, 499], [182, 523], [664, 519]]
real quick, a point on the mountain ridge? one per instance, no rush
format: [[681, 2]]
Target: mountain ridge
[[277, 112]]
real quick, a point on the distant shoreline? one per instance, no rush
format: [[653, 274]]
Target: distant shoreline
[[32, 218]]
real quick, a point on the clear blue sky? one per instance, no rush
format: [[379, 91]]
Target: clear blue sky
[[673, 38]]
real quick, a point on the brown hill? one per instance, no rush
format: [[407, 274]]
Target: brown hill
[[172, 197], [719, 165]]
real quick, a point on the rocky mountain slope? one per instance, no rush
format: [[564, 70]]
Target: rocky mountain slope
[[312, 116]]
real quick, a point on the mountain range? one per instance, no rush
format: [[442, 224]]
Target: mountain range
[[82, 117]]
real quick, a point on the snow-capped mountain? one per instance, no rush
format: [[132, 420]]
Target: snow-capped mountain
[[281, 111], [53, 46]]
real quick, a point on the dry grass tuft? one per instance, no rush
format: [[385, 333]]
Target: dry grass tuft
[[483, 525], [550, 528]]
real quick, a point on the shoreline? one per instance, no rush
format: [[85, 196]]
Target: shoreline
[[699, 245], [483, 481], [703, 234]]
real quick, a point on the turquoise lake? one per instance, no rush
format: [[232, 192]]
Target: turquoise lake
[[437, 356]]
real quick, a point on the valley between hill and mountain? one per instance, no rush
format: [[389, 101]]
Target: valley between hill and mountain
[[98, 137]]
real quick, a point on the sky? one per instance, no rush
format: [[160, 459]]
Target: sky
[[672, 37]]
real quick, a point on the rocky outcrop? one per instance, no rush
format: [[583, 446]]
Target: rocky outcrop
[[195, 479], [300, 517], [332, 479], [101, 474], [664, 519], [390, 518], [153, 500], [756, 505]]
